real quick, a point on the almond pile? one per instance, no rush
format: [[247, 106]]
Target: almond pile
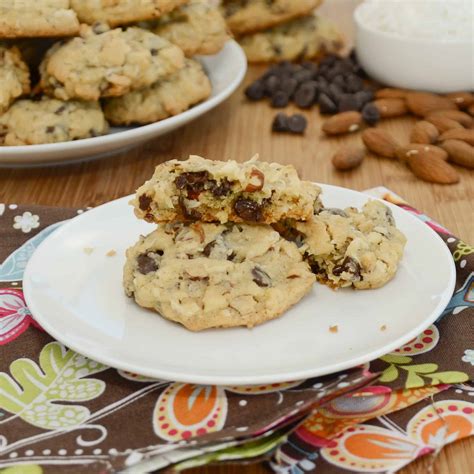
[[443, 134]]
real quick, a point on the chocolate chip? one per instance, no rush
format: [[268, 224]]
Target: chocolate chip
[[146, 264], [154, 51], [222, 189], [280, 123], [50, 129], [306, 94], [60, 110], [313, 67], [144, 202], [289, 85], [313, 264], [335, 92], [340, 81], [188, 214], [280, 99], [261, 278], [231, 256], [348, 102], [208, 248], [326, 104], [255, 91], [248, 210], [370, 113], [349, 265], [297, 123], [272, 84], [363, 97], [303, 76], [354, 83]]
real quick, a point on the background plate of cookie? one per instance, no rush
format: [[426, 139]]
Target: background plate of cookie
[[325, 332], [225, 71]]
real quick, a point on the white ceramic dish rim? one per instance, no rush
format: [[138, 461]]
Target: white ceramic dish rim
[[395, 36], [136, 131], [256, 380]]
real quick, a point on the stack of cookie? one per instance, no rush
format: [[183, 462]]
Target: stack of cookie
[[107, 68], [239, 244], [278, 30]]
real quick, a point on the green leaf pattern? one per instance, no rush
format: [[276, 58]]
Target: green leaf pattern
[[417, 373], [62, 375]]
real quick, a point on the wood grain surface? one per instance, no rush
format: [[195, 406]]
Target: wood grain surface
[[238, 129]]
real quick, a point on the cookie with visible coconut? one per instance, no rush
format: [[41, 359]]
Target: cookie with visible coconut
[[350, 248], [211, 275], [225, 191], [14, 76]]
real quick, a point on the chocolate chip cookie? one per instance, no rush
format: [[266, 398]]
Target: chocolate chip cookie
[[121, 12], [223, 191], [20, 18], [29, 122], [14, 76], [210, 275], [106, 64], [163, 99], [197, 28], [350, 248], [304, 38], [248, 16]]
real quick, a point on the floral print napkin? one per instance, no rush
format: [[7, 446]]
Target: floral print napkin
[[62, 412]]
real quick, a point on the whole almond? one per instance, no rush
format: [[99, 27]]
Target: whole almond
[[443, 123], [345, 122], [406, 152], [424, 132], [391, 107], [348, 158], [462, 99], [432, 169], [380, 142], [423, 103], [464, 119], [390, 93], [459, 152], [458, 134]]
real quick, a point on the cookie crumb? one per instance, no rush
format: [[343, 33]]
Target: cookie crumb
[[334, 328], [88, 250], [383, 327], [111, 253]]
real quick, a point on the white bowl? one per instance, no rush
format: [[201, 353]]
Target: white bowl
[[420, 64]]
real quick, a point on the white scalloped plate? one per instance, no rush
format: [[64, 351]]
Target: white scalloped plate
[[226, 71], [79, 300]]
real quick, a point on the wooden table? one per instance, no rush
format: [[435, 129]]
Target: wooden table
[[238, 129]]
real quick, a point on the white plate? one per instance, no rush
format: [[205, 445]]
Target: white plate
[[79, 300], [226, 71]]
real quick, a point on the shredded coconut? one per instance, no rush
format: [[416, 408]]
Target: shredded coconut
[[443, 20]]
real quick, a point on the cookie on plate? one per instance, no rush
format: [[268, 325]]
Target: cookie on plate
[[121, 12], [211, 275], [107, 64], [14, 76], [248, 16], [21, 18], [197, 28], [29, 122], [223, 191], [163, 99], [304, 38], [350, 248]]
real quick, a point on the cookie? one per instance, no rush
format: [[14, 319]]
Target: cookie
[[163, 99], [247, 16], [20, 18], [121, 12], [350, 248], [225, 191], [304, 38], [211, 275], [14, 76], [107, 64], [29, 122], [197, 28]]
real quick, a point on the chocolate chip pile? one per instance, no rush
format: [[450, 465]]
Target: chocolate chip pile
[[336, 85]]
